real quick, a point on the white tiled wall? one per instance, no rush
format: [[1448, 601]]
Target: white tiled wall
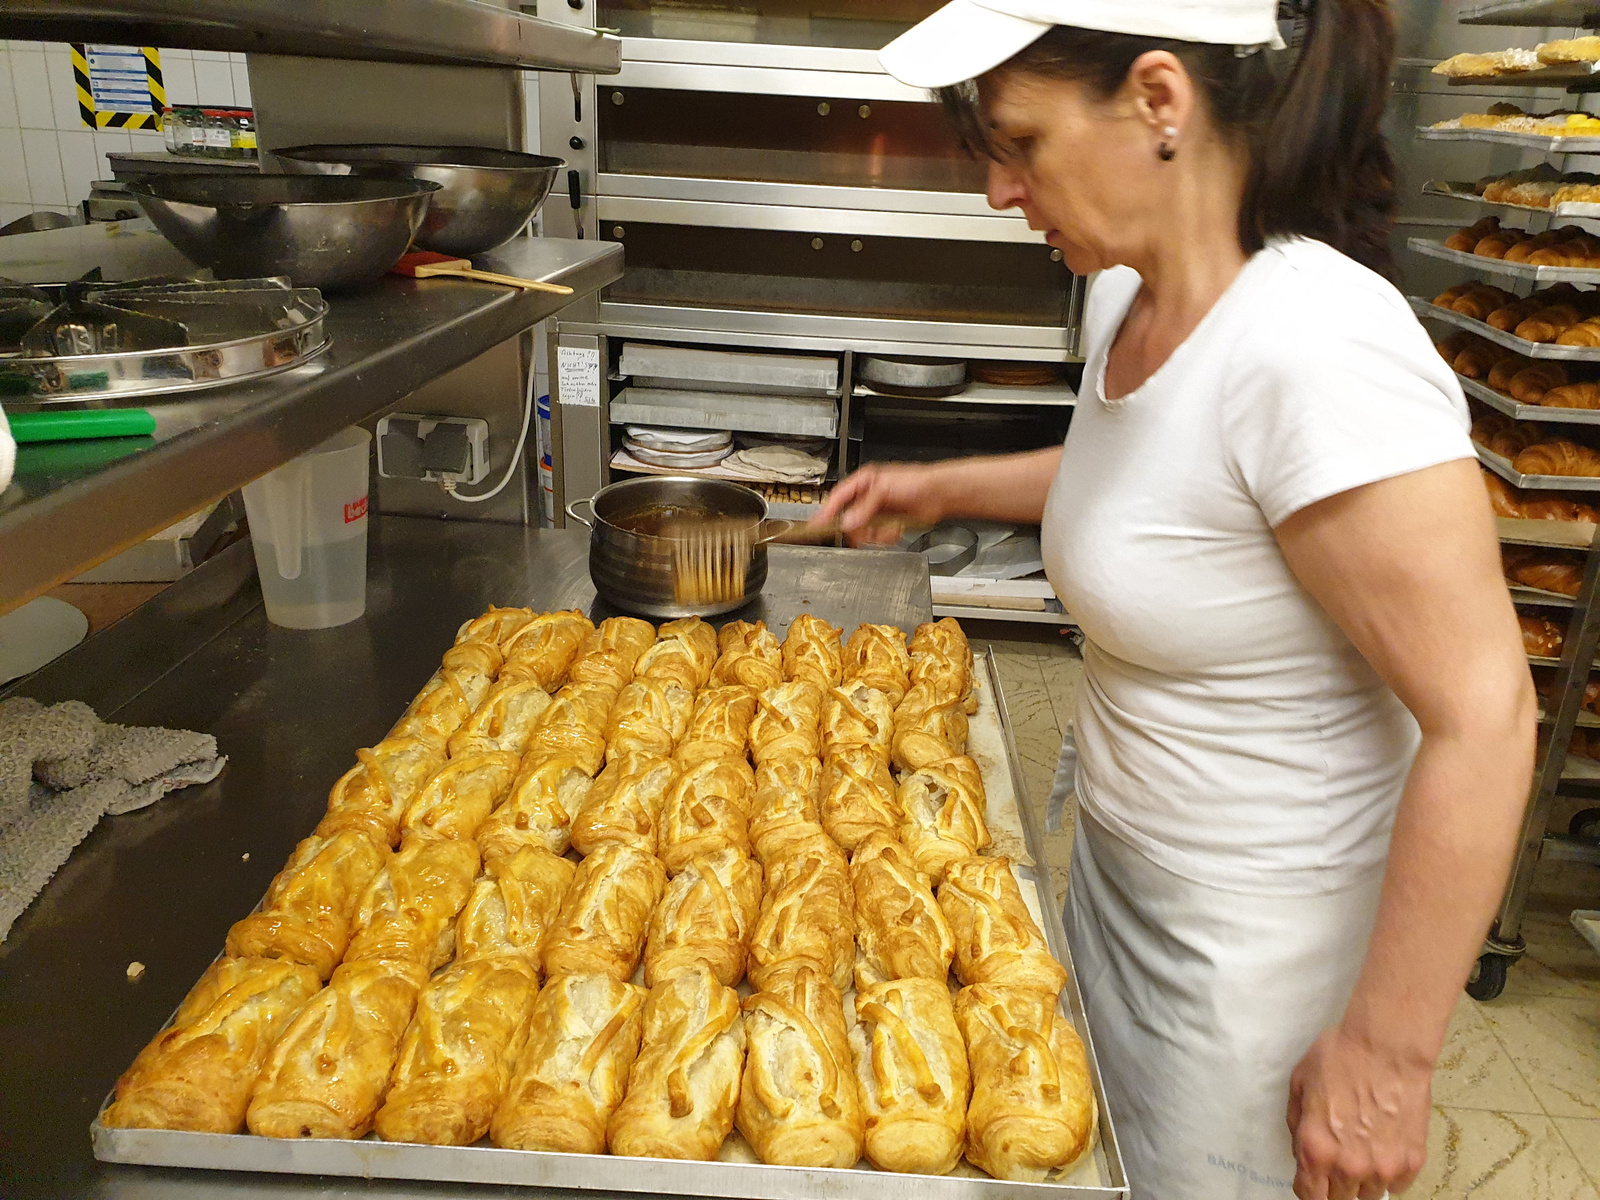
[[48, 157]]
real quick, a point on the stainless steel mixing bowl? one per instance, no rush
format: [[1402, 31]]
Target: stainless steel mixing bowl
[[485, 196], [321, 232]]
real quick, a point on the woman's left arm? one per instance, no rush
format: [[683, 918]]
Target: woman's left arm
[[1409, 568]]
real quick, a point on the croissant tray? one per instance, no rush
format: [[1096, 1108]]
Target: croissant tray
[[1502, 467], [1499, 266], [1424, 306], [1543, 413], [1458, 190]]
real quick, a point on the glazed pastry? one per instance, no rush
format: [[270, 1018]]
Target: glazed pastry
[[575, 723], [1481, 300], [543, 649], [1572, 395], [1570, 50], [504, 721], [197, 1073], [1503, 498], [799, 1106], [1557, 456], [460, 796], [452, 695], [944, 805], [1549, 573], [372, 796], [911, 1069], [707, 809], [610, 654], [1506, 318], [601, 926], [1478, 359], [408, 912], [457, 1054], [901, 932], [513, 907], [997, 940], [496, 627], [624, 805], [1584, 333], [325, 1076], [685, 653], [785, 811], [812, 651], [929, 725], [941, 653], [858, 796], [684, 1084], [750, 657], [311, 905], [583, 1037], [807, 916], [1530, 384], [720, 726], [538, 812], [650, 717], [1547, 324], [786, 723], [1033, 1108], [705, 918], [876, 656], [856, 715], [1541, 638]]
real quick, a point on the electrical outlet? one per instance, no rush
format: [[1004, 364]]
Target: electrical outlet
[[434, 449]]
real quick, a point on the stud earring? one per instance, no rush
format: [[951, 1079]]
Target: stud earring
[[1166, 151]]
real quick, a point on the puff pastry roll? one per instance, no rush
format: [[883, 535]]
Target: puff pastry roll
[[858, 796], [408, 912], [325, 1076], [197, 1074], [807, 916], [997, 940], [786, 723], [685, 653], [600, 929], [495, 628], [504, 721], [372, 796], [944, 803], [927, 729], [799, 1106], [901, 932], [538, 812], [876, 656], [785, 812], [460, 795], [812, 651], [583, 1037], [941, 654], [311, 905], [720, 725], [513, 907], [750, 656], [624, 805], [684, 1084], [1033, 1108], [857, 715], [611, 653], [452, 695], [650, 716], [544, 648], [457, 1054], [911, 1067], [707, 809], [575, 723], [705, 918]]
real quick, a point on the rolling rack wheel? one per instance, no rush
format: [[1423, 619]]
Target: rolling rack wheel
[[1488, 978], [1585, 826]]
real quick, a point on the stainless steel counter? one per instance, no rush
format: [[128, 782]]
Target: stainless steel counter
[[73, 504], [289, 709]]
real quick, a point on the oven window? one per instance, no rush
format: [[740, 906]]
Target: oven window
[[851, 24]]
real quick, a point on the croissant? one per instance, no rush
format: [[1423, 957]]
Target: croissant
[[1549, 574], [1548, 324], [858, 796], [1444, 300], [504, 721], [197, 1074], [1529, 385], [372, 796], [650, 717], [751, 657], [496, 627], [460, 796], [705, 918], [543, 649], [1557, 456], [808, 915], [1508, 316], [929, 725], [1584, 333], [876, 656], [684, 653], [609, 655], [601, 926], [812, 651], [1502, 496], [901, 931], [720, 726], [1559, 508], [538, 811], [1541, 638], [1498, 245], [707, 809], [997, 940], [857, 715], [1465, 239], [450, 697], [408, 912], [943, 805], [786, 723], [1478, 359], [513, 907], [1571, 395], [1527, 245], [785, 811], [624, 805]]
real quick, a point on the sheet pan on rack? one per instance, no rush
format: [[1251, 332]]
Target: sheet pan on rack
[[1549, 415], [1498, 266], [1431, 311], [1460, 190]]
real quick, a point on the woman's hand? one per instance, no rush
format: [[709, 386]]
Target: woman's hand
[[879, 501], [1358, 1115]]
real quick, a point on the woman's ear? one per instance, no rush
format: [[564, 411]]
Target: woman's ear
[[1160, 92]]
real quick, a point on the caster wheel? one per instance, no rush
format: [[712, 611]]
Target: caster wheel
[[1488, 978], [1585, 825]]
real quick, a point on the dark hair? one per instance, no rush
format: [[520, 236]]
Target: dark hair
[[1319, 164]]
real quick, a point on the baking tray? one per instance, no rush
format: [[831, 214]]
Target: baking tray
[[1498, 266], [1460, 190], [1577, 77], [736, 1176], [1522, 594], [1525, 531], [1548, 415], [1507, 137], [750, 413], [799, 374], [1428, 309], [1502, 467]]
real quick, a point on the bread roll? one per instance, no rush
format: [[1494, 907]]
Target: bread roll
[[751, 657], [624, 805], [609, 655], [513, 907], [650, 716], [807, 915], [547, 791], [543, 649], [504, 721], [858, 796], [812, 651], [408, 912], [786, 723], [707, 810], [997, 940], [372, 796], [876, 656], [460, 795], [684, 653], [901, 931], [705, 918], [720, 725], [943, 805], [600, 929]]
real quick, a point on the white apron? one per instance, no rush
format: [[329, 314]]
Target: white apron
[[1202, 1002]]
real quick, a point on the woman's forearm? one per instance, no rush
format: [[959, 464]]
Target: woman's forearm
[[999, 487]]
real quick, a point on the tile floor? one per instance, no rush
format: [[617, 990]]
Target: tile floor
[[1517, 1091]]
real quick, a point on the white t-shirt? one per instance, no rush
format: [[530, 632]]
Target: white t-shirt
[[1227, 728]]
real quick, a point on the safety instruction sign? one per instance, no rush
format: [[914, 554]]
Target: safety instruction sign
[[119, 87]]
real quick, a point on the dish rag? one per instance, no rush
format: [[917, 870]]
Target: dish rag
[[62, 768]]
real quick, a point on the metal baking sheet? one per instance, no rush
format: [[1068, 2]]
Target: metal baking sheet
[[1522, 594], [1502, 467], [1506, 137], [798, 415], [806, 374], [1525, 531], [1480, 390], [1430, 310], [1498, 266], [736, 1175], [1459, 190]]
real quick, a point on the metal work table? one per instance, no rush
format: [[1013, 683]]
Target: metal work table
[[289, 708], [74, 504]]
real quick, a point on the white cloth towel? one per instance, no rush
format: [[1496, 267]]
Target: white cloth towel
[[780, 464]]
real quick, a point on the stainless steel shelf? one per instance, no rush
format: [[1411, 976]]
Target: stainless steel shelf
[[1479, 390], [1430, 311], [1563, 535], [1578, 77], [1532, 12], [456, 32], [1498, 266], [1506, 137], [760, 212], [899, 201], [74, 504], [767, 81], [1052, 395], [1528, 595], [1454, 190], [1502, 467]]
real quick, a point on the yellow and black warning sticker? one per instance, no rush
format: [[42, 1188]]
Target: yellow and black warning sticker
[[119, 87]]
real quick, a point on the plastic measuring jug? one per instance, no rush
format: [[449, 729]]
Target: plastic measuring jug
[[308, 521]]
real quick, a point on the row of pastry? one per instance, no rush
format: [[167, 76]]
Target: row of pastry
[[1566, 246], [1531, 449], [1517, 59], [1560, 314], [1508, 118], [1539, 186]]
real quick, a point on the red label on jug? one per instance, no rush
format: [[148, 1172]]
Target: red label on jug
[[355, 510]]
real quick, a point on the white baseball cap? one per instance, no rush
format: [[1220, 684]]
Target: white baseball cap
[[968, 37]]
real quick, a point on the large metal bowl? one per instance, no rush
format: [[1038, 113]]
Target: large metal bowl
[[321, 232], [485, 196]]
